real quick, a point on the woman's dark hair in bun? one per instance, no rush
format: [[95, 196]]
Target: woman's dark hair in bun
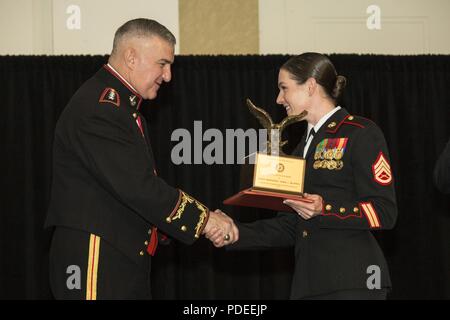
[[317, 66]]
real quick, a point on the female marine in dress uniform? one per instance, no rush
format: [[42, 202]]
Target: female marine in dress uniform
[[349, 182]]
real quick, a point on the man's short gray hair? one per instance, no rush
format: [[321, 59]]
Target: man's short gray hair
[[142, 27]]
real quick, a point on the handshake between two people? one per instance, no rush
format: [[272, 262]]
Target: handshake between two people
[[221, 229]]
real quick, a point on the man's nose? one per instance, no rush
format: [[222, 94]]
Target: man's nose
[[167, 75]]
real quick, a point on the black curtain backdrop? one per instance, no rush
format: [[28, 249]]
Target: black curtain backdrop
[[407, 96]]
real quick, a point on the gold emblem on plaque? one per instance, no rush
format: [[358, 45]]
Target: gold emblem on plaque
[[280, 167]]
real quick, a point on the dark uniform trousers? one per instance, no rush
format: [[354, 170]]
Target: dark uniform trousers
[[85, 267], [108, 206], [336, 254]]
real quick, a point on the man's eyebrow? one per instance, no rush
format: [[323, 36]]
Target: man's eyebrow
[[165, 61]]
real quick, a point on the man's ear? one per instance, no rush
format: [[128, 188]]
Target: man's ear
[[129, 56]]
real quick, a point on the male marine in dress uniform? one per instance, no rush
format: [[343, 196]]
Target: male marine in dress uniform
[[108, 205]]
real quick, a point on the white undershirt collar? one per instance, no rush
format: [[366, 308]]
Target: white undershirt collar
[[318, 125]]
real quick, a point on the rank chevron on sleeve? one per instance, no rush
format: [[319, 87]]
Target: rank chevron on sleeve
[[382, 170]]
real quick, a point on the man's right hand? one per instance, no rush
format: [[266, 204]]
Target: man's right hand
[[221, 229]]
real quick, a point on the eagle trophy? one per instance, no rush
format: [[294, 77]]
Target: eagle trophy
[[274, 130]]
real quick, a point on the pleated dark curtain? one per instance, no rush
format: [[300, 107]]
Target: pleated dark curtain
[[407, 96]]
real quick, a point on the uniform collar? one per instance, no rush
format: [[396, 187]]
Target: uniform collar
[[337, 120], [122, 79], [322, 120], [125, 89]]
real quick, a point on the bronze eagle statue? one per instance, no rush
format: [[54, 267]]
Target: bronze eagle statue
[[274, 130]]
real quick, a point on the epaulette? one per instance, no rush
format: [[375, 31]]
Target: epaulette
[[351, 120]]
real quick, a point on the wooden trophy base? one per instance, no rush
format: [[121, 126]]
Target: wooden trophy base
[[263, 199]]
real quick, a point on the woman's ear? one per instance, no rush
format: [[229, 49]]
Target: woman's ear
[[311, 84]]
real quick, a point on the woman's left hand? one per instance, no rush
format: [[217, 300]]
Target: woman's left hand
[[307, 210]]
